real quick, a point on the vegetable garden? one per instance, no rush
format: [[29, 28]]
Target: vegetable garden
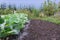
[[11, 24], [29, 23]]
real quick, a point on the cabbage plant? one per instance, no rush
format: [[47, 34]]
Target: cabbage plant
[[13, 23]]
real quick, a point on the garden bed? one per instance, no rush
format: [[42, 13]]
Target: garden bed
[[42, 30], [38, 30], [16, 37]]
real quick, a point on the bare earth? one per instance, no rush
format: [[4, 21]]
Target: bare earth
[[41, 30]]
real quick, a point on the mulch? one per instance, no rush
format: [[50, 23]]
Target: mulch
[[41, 30]]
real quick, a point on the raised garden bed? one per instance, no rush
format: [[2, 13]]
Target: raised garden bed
[[42, 30]]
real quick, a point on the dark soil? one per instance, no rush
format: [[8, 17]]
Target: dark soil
[[10, 37], [41, 30]]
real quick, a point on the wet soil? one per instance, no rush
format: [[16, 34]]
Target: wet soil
[[41, 30]]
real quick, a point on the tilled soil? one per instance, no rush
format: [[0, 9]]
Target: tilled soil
[[41, 30]]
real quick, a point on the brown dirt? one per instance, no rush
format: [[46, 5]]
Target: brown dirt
[[42, 30]]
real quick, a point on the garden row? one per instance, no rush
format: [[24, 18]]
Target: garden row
[[12, 24]]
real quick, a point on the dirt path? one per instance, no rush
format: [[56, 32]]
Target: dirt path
[[42, 30]]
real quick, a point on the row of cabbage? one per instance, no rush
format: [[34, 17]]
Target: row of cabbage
[[12, 23]]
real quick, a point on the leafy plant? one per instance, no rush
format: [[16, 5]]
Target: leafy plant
[[13, 23], [1, 20], [49, 8]]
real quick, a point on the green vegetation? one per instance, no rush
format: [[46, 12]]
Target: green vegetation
[[51, 19], [49, 8], [13, 18], [13, 24], [1, 20]]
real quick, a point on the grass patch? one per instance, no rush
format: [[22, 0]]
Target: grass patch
[[51, 19]]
